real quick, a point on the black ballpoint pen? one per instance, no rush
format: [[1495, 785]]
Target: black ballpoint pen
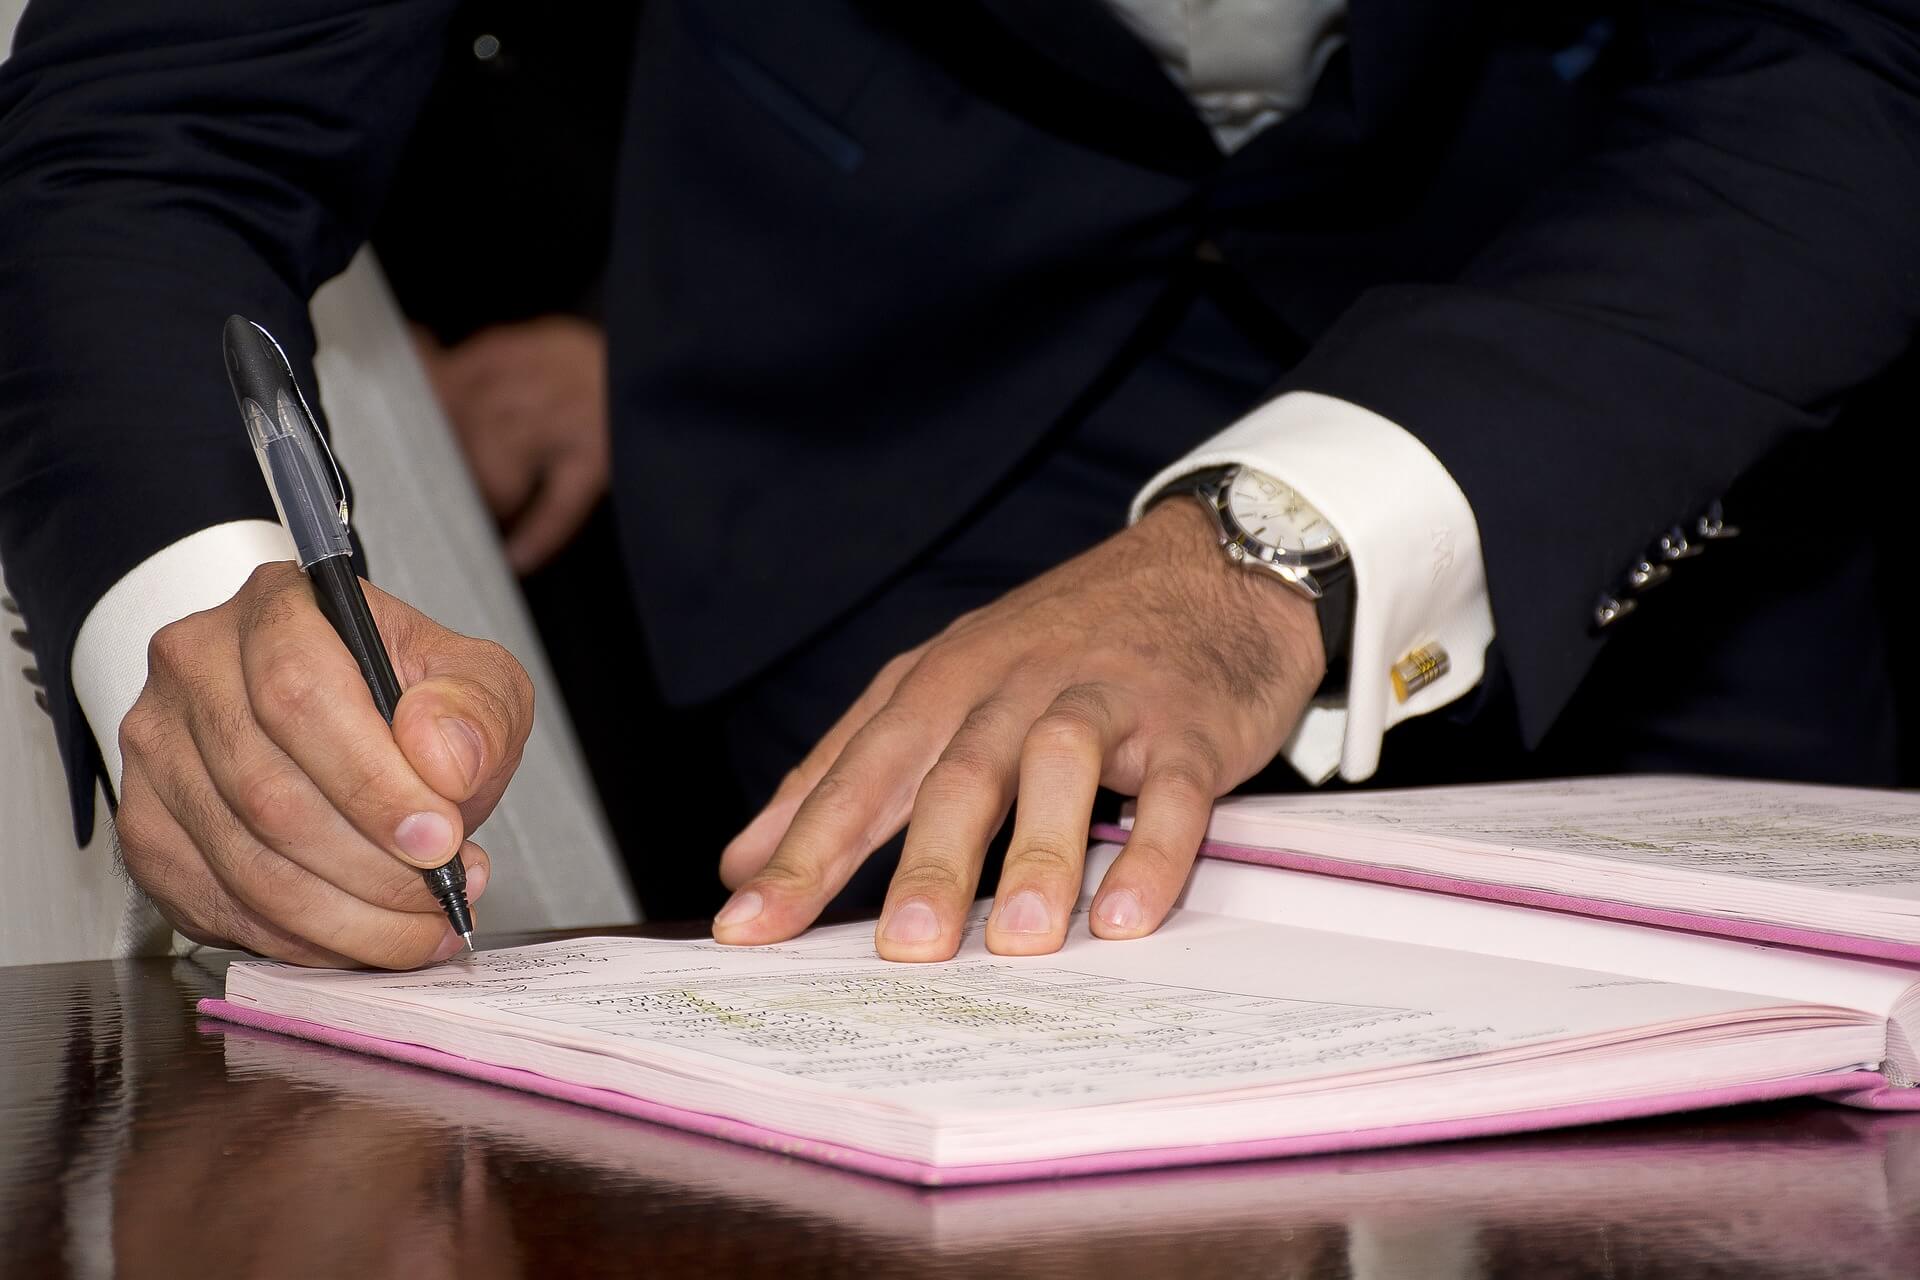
[[311, 499]]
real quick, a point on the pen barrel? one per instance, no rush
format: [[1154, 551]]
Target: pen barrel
[[345, 606], [337, 587]]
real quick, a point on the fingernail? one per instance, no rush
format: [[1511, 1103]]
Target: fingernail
[[423, 835], [1120, 910], [463, 745], [912, 921], [742, 908], [477, 876], [1025, 912]]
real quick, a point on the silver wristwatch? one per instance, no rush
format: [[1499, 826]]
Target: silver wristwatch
[[1264, 524]]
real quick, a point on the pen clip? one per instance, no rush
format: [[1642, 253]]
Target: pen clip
[[339, 486], [339, 481]]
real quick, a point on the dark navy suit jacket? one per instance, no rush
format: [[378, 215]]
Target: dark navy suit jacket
[[1605, 260]]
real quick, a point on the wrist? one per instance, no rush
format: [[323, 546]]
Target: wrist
[[1182, 526]]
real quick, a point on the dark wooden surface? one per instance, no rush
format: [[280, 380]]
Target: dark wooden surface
[[139, 1140]]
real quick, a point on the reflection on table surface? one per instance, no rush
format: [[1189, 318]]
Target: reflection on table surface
[[139, 1140]]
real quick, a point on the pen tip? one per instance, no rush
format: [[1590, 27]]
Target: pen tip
[[469, 940]]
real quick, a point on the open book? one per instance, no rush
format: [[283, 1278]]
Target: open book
[[1833, 868], [1274, 1013]]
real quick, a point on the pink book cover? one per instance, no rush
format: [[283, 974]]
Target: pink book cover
[[1691, 922], [1855, 1088]]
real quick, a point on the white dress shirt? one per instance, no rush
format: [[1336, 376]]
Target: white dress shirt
[[1415, 548]]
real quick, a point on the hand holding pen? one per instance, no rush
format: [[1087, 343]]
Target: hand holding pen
[[267, 803], [312, 502]]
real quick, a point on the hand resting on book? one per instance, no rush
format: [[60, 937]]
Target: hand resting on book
[[1149, 664]]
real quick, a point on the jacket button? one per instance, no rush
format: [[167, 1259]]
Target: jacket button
[[1613, 608], [1673, 545], [1713, 527], [1647, 574]]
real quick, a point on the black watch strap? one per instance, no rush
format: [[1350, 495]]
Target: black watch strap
[[1335, 611]]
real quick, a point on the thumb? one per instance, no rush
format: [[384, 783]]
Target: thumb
[[464, 723]]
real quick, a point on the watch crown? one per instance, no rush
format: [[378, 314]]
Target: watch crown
[[1236, 552]]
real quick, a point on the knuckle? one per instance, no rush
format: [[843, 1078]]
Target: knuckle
[[1061, 732], [368, 790], [167, 649], [898, 719], [275, 802], [1186, 776], [522, 685], [398, 889], [1201, 755], [496, 659], [964, 769], [1158, 857], [268, 599], [287, 691], [1088, 702], [932, 877], [276, 881], [837, 796], [267, 578], [985, 720], [1049, 855], [142, 730], [793, 875], [503, 686]]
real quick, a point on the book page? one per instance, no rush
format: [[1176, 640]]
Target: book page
[[1823, 837], [1388, 912], [1207, 1003]]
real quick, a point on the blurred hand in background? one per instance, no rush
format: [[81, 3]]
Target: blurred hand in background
[[528, 402]]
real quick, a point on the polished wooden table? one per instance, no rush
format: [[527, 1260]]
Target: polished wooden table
[[137, 1139]]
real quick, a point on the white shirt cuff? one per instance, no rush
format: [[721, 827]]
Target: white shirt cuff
[[200, 571], [1415, 550]]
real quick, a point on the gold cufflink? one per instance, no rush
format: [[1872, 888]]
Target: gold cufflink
[[1418, 670]]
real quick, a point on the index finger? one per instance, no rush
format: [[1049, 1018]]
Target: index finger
[[749, 851], [307, 694], [860, 802]]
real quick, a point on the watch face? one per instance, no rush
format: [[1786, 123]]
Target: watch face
[[1273, 514]]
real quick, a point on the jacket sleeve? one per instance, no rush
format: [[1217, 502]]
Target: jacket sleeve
[[161, 167], [1738, 253]]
